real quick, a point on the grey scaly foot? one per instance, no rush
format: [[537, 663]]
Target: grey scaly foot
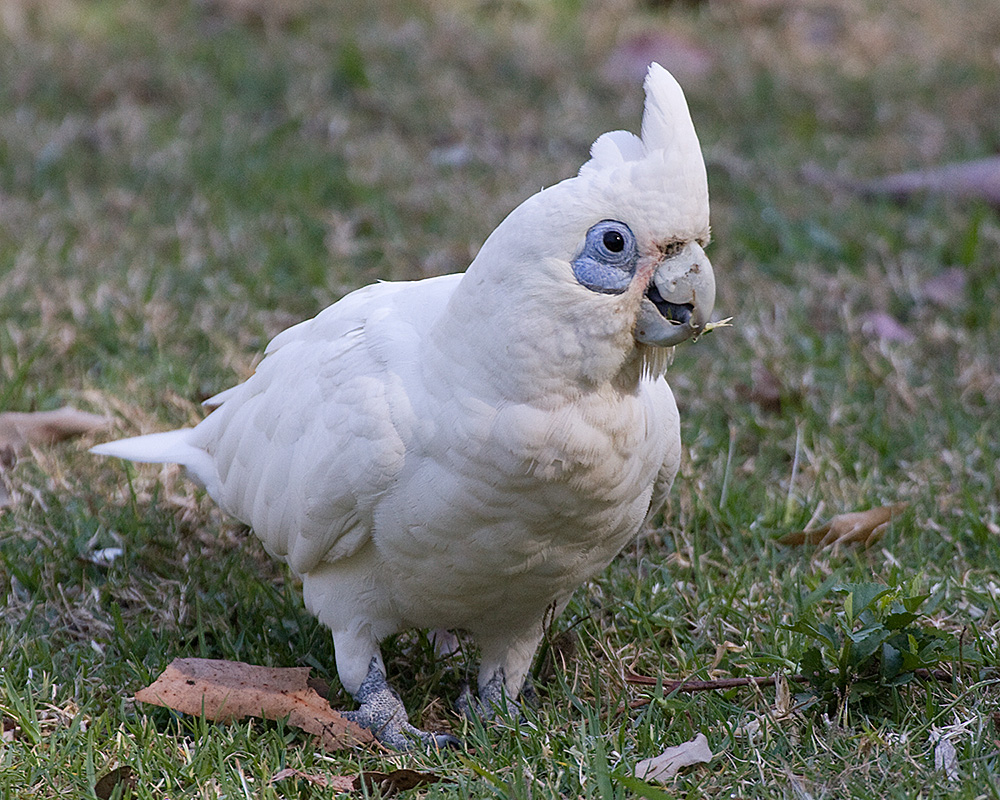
[[491, 701], [382, 712], [528, 694]]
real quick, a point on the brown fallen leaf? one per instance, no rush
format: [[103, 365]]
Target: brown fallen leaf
[[670, 761], [339, 783], [399, 780], [976, 180], [884, 326], [121, 776], [229, 690], [385, 784], [46, 427], [865, 527], [19, 429]]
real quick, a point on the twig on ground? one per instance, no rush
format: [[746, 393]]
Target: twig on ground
[[721, 684]]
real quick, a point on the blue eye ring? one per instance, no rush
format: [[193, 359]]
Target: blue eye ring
[[607, 262]]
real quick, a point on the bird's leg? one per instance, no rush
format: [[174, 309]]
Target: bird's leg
[[492, 699], [502, 673], [382, 712], [528, 693]]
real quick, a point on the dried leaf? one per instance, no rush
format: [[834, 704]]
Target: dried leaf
[[783, 703], [382, 784], [228, 690], [339, 783], [399, 780], [671, 760], [45, 427], [121, 776], [947, 288], [864, 527], [978, 180], [946, 759], [886, 327], [783, 710]]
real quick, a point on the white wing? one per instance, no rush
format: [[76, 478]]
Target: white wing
[[304, 449]]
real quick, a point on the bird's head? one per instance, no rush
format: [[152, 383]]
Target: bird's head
[[608, 267]]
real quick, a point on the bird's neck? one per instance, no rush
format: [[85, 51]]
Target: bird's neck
[[531, 353]]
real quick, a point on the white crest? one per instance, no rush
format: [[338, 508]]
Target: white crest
[[666, 160]]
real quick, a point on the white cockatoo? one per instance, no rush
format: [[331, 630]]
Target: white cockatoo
[[463, 452]]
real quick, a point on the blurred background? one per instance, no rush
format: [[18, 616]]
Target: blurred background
[[180, 181]]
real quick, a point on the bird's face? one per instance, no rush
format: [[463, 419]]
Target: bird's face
[[669, 285], [593, 278]]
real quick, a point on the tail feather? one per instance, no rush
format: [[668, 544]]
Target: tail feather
[[169, 447]]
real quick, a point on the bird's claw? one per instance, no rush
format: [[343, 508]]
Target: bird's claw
[[382, 712], [401, 735]]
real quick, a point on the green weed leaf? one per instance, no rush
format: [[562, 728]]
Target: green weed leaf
[[860, 596]]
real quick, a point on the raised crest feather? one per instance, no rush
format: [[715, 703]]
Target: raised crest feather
[[666, 122], [665, 163]]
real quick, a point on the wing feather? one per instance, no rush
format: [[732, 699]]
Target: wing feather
[[306, 447]]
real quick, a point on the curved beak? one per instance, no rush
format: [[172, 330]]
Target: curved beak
[[679, 300]]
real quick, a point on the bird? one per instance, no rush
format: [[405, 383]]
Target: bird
[[462, 452]]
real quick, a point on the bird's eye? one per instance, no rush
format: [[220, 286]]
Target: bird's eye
[[614, 241], [607, 262]]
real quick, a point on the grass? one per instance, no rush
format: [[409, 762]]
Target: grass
[[179, 182]]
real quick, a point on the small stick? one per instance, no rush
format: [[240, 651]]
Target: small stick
[[732, 683]]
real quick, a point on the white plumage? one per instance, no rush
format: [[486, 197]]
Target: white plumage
[[463, 452]]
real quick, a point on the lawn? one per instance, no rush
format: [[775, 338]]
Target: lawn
[[181, 181]]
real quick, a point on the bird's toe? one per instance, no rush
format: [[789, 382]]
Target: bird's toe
[[382, 712], [400, 734], [444, 741]]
